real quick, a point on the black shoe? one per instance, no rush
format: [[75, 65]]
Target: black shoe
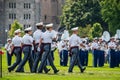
[[40, 72], [55, 72], [9, 70], [83, 69], [69, 71], [19, 71], [47, 71]]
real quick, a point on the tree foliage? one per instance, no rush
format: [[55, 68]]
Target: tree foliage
[[14, 26], [81, 13], [96, 31], [111, 14], [84, 31]]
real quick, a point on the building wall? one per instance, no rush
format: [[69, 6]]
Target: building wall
[[2, 22], [51, 10], [20, 11]]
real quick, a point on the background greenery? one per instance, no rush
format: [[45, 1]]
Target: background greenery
[[101, 73], [88, 12]]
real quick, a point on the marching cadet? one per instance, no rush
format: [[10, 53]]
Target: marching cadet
[[64, 53], [8, 51], [95, 51], [112, 47], [16, 49], [37, 36], [101, 53], [27, 41], [74, 42], [46, 41]]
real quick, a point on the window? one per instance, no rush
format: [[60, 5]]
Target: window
[[27, 5], [27, 16], [9, 26], [12, 16], [12, 5], [26, 25]]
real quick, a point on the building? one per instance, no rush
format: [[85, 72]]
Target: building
[[51, 10], [2, 22], [28, 13]]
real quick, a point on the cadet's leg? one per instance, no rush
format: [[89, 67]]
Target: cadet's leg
[[51, 62], [74, 59], [30, 62], [36, 62], [18, 59], [8, 58], [66, 58], [22, 63], [44, 59], [95, 58]]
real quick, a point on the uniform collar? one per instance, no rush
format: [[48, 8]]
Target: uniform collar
[[39, 30], [27, 34]]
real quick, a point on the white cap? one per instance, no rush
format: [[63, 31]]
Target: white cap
[[9, 39], [95, 38], [74, 29], [28, 29], [100, 38], [17, 31], [39, 24], [112, 37], [49, 25]]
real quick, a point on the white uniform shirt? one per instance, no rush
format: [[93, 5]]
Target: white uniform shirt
[[53, 46], [112, 44], [37, 35], [87, 47], [74, 40], [64, 45], [47, 37], [27, 39], [59, 46], [94, 45], [8, 46], [17, 41]]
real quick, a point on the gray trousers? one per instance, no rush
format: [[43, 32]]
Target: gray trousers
[[27, 57], [17, 51], [75, 59], [46, 55]]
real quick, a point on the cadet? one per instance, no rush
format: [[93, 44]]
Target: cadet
[[95, 51], [74, 43], [46, 41], [27, 41], [64, 53], [8, 51], [84, 53], [112, 47], [37, 36], [101, 52], [16, 49]]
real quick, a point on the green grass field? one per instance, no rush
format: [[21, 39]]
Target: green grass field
[[104, 73]]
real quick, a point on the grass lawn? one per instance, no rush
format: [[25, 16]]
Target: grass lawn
[[104, 73]]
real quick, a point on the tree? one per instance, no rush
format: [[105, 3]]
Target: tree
[[111, 14], [96, 31], [81, 13], [84, 31], [14, 26]]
